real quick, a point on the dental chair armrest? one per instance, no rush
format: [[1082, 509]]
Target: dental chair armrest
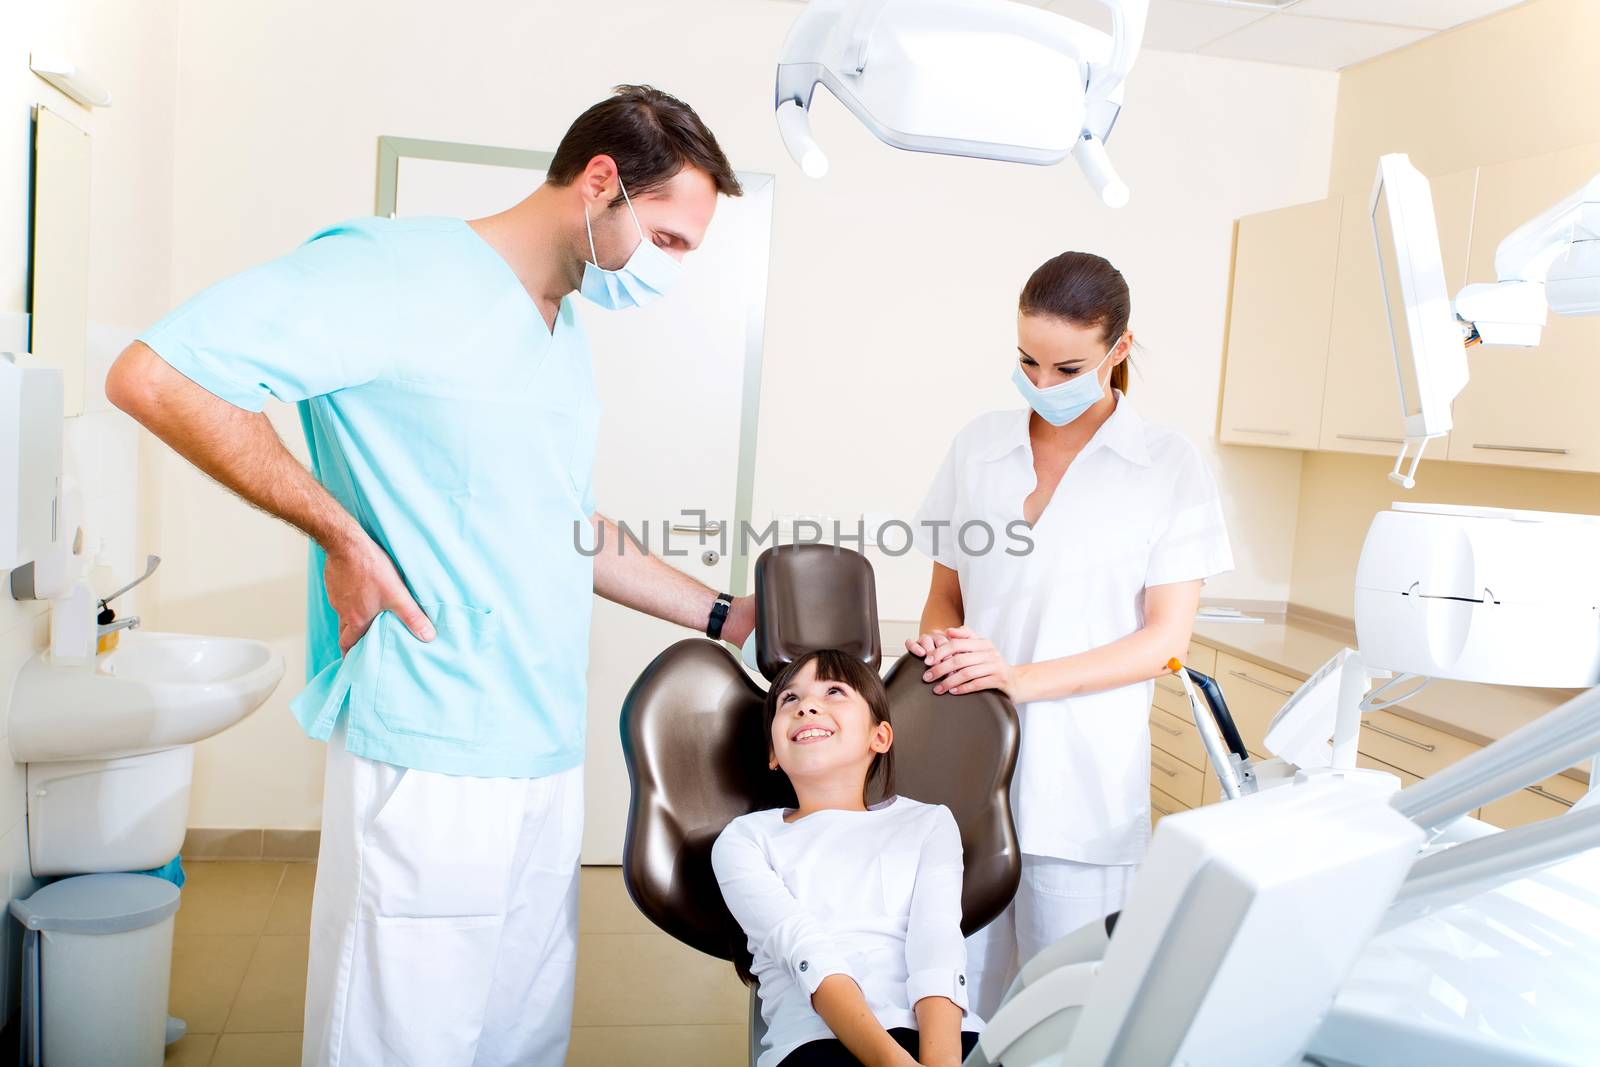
[[1034, 1005]]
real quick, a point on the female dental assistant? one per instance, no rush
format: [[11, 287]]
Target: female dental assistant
[[1070, 542]]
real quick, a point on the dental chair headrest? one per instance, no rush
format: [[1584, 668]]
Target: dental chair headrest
[[695, 743], [810, 597]]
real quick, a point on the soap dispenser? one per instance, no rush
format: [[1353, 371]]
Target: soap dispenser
[[73, 631]]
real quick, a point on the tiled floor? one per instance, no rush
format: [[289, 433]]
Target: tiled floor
[[239, 970]]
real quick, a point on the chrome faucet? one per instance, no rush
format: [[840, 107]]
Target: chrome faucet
[[130, 623]]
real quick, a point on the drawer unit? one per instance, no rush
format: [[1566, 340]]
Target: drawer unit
[[1541, 801], [1177, 737], [1176, 778], [1399, 742], [1162, 805], [1254, 695], [1202, 658]]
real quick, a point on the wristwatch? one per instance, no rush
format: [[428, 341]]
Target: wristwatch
[[719, 615]]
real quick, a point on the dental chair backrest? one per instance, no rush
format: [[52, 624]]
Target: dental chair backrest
[[696, 748]]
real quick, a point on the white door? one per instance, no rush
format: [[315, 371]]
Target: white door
[[676, 380]]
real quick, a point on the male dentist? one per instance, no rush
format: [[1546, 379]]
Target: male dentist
[[445, 388]]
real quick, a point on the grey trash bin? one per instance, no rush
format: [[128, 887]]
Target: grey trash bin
[[97, 958]]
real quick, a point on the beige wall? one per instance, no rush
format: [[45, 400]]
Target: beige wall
[[130, 48], [1519, 84], [893, 281]]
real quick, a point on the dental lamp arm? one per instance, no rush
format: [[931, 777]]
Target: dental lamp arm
[[1127, 35]]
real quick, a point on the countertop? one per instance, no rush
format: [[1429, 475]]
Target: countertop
[[1297, 645]]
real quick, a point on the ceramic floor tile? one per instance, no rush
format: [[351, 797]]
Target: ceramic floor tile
[[227, 897], [604, 906], [658, 1046], [291, 908], [272, 997], [258, 1050], [652, 980], [207, 971], [193, 1051]]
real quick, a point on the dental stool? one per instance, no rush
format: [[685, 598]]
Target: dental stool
[[696, 750]]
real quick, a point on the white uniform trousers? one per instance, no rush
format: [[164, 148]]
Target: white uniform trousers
[[444, 924], [1054, 898]]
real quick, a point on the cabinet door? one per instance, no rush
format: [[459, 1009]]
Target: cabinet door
[[1530, 407], [1361, 397], [1278, 326]]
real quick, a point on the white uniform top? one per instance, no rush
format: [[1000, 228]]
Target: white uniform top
[[873, 894], [1138, 507]]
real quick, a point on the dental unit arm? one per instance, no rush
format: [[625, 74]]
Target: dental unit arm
[[988, 79], [1550, 263]]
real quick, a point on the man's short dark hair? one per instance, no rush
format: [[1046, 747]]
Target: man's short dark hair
[[650, 134]]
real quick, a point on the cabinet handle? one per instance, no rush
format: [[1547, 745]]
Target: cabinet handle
[[1368, 438], [1168, 771], [1402, 738], [1269, 433], [1164, 728], [1159, 808], [1264, 685], [1522, 448], [1175, 690], [1541, 791]]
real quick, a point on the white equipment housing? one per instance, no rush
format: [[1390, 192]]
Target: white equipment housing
[[989, 79], [1209, 961], [1481, 595], [1551, 263]]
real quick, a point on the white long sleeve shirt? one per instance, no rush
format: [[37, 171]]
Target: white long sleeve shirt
[[875, 895]]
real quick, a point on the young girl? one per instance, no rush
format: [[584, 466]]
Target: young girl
[[853, 913]]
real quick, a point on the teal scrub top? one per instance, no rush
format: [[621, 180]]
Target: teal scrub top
[[460, 431]]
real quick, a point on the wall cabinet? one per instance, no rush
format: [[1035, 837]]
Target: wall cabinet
[[1531, 407], [1309, 362], [1283, 272]]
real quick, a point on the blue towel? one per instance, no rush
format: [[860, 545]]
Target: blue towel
[[172, 871]]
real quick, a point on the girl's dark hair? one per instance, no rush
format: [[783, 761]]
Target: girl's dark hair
[[832, 666], [650, 134], [836, 666], [1087, 291]]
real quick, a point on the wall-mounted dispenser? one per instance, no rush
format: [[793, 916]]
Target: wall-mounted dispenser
[[31, 519]]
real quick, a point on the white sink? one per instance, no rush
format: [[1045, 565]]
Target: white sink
[[155, 691]]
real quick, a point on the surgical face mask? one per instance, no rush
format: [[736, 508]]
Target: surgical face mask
[[649, 272], [1060, 404]]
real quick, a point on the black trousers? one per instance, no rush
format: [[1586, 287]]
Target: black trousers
[[832, 1053]]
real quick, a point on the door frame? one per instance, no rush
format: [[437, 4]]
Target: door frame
[[392, 149]]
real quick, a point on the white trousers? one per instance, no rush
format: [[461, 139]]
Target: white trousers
[[444, 924], [1054, 898]]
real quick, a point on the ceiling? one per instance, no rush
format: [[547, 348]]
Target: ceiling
[[1325, 34]]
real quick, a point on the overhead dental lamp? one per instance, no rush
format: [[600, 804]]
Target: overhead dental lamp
[[1551, 263], [989, 79]]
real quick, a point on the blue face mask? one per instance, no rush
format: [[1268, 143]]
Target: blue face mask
[[648, 274], [1060, 404]]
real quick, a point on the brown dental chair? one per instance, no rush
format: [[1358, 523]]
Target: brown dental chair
[[696, 750]]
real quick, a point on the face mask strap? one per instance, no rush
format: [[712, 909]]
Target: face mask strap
[[629, 202]]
